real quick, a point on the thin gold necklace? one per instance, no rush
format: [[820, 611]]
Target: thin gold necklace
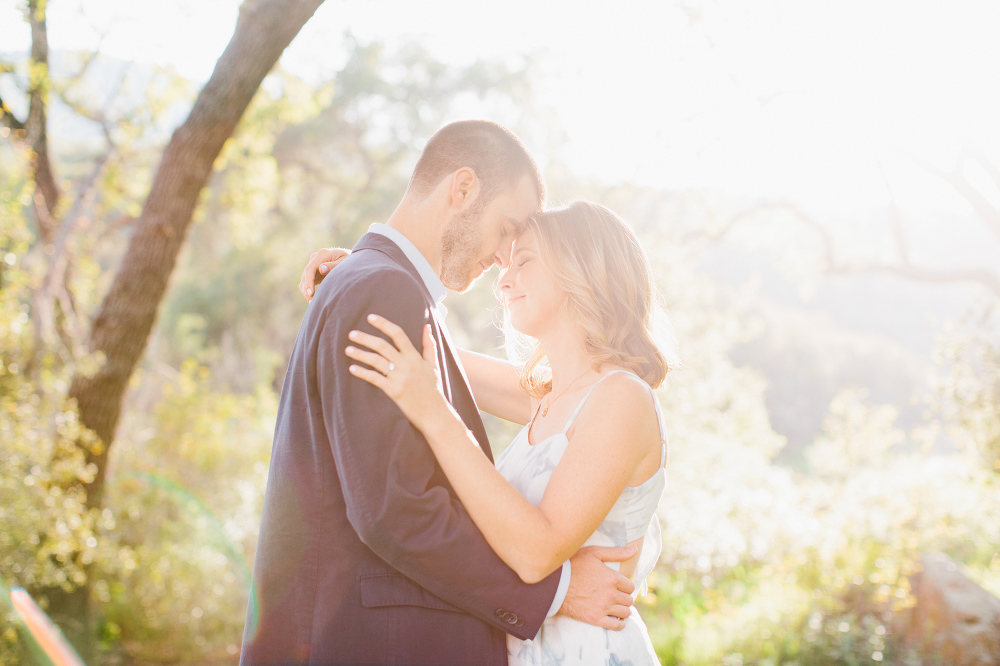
[[545, 410]]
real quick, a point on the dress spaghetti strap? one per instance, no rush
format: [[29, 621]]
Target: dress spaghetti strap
[[579, 407]]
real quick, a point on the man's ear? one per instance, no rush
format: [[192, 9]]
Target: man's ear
[[464, 189]]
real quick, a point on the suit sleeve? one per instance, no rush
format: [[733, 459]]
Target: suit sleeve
[[398, 499]]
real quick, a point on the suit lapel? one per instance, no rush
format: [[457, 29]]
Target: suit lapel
[[460, 391], [453, 380]]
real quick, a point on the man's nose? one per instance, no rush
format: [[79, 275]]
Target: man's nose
[[502, 256]]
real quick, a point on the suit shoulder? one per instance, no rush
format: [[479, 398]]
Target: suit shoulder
[[372, 276], [372, 284]]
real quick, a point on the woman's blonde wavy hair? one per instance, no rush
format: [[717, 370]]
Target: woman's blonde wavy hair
[[598, 261]]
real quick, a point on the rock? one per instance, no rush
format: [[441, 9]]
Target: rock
[[954, 620]]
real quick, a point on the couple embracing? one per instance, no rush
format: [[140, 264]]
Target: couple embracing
[[388, 536]]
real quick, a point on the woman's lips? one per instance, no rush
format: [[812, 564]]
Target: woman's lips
[[511, 299]]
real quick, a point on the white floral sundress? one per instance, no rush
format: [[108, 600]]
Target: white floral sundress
[[562, 641]]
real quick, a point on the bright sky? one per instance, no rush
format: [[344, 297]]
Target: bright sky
[[806, 99]]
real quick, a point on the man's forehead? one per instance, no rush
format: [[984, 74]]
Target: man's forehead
[[518, 224], [517, 205], [523, 242], [528, 197]]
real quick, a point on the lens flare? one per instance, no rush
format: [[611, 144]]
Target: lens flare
[[185, 497], [43, 630]]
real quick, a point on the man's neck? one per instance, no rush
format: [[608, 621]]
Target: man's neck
[[421, 227]]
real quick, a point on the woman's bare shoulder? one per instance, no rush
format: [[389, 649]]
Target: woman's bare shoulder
[[623, 399]]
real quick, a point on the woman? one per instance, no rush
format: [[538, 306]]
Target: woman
[[587, 468]]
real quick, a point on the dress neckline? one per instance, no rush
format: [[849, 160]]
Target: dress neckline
[[527, 436], [575, 413], [579, 407], [531, 423], [530, 446]]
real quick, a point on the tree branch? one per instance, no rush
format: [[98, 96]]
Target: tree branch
[[987, 212], [114, 225], [989, 215], [87, 62], [99, 117], [982, 276], [904, 268], [43, 309], [745, 215], [9, 119], [70, 327], [898, 230], [988, 166]]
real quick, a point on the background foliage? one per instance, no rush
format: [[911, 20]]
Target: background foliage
[[789, 533]]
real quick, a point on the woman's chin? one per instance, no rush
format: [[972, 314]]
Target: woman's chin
[[522, 327]]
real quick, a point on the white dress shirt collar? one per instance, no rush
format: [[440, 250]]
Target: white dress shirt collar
[[419, 261]]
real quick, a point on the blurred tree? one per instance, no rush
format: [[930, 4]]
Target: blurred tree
[[800, 258], [34, 129], [123, 322], [971, 392], [808, 361], [855, 435], [47, 535]]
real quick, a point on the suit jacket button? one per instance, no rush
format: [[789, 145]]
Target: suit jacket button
[[500, 612], [520, 622]]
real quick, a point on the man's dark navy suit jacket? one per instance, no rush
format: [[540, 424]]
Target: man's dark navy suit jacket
[[365, 554]]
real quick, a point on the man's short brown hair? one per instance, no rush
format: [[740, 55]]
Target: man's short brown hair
[[495, 153]]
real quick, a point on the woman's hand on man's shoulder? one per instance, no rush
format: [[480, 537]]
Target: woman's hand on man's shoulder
[[320, 264]]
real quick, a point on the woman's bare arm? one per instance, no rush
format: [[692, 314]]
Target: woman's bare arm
[[611, 440], [496, 385]]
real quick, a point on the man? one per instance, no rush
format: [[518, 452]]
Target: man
[[365, 554]]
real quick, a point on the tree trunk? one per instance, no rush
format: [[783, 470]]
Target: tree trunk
[[126, 316], [36, 126], [123, 323]]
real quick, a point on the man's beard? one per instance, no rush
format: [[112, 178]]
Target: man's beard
[[461, 244]]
